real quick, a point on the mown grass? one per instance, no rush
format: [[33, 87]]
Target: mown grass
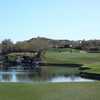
[[91, 60], [74, 57], [48, 91], [93, 68]]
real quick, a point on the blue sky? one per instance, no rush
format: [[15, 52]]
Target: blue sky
[[57, 19]]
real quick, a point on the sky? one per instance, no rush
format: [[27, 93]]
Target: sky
[[57, 19]]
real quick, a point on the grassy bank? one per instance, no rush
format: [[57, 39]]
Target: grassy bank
[[92, 68], [63, 91]]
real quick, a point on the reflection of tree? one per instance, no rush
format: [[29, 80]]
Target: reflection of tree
[[7, 77], [44, 72], [72, 77]]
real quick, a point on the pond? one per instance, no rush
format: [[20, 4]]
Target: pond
[[27, 74]]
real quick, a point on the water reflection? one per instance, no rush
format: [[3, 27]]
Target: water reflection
[[13, 74], [69, 79], [43, 73]]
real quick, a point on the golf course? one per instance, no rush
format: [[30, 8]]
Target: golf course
[[58, 91], [49, 49]]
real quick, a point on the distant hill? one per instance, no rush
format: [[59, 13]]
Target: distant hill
[[45, 42]]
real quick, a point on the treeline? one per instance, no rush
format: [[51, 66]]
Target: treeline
[[34, 44], [89, 46], [31, 45]]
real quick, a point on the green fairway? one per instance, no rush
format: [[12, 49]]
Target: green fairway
[[74, 57], [91, 60], [46, 91]]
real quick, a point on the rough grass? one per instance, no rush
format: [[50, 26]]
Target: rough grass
[[46, 91]]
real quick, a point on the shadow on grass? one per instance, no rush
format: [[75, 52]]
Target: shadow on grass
[[64, 65]]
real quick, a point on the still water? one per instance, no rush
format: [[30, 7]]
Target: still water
[[24, 74]]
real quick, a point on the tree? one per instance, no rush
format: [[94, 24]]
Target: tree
[[7, 46]]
